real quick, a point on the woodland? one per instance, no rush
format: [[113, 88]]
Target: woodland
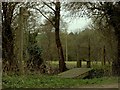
[[36, 44]]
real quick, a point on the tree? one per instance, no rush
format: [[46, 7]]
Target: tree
[[47, 31], [113, 12], [110, 10], [7, 33], [62, 66], [56, 24]]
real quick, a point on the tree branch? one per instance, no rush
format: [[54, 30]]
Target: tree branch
[[49, 6], [53, 3], [45, 16]]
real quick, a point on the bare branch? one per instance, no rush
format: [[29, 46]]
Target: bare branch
[[13, 18], [45, 16], [53, 3], [42, 13], [49, 6]]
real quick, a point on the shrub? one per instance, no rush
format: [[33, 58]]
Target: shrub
[[34, 51], [35, 56]]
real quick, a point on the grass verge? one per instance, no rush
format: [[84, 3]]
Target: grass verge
[[45, 81]]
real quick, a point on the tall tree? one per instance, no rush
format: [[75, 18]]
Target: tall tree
[[56, 23], [62, 66], [113, 11], [7, 34]]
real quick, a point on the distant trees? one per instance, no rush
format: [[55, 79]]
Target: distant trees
[[112, 12], [78, 46], [109, 11]]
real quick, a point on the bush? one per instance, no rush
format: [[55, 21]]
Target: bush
[[97, 73], [101, 71], [35, 59], [34, 51]]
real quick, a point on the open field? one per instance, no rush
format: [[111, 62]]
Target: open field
[[73, 64], [45, 81]]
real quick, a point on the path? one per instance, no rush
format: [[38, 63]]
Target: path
[[115, 85]]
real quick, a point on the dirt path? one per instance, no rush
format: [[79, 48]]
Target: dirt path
[[115, 85]]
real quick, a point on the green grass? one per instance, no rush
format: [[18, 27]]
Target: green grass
[[45, 81], [69, 64], [73, 64]]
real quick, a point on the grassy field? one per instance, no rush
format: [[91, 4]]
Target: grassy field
[[45, 81], [69, 64], [73, 64]]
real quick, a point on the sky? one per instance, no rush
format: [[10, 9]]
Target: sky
[[78, 24], [75, 24]]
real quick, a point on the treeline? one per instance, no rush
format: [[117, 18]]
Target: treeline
[[24, 37], [78, 44]]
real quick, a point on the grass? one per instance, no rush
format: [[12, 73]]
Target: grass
[[69, 64], [73, 64], [45, 81]]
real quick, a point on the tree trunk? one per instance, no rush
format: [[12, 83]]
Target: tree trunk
[[114, 20], [79, 63], [7, 34], [62, 65], [104, 55], [116, 62]]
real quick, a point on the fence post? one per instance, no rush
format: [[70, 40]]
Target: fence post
[[79, 63], [88, 64], [89, 61], [104, 55]]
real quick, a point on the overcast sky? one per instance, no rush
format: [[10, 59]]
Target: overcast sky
[[75, 24], [78, 24]]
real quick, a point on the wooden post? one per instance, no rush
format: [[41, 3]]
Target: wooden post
[[79, 63], [25, 34], [89, 61], [21, 65], [20, 40], [104, 55]]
